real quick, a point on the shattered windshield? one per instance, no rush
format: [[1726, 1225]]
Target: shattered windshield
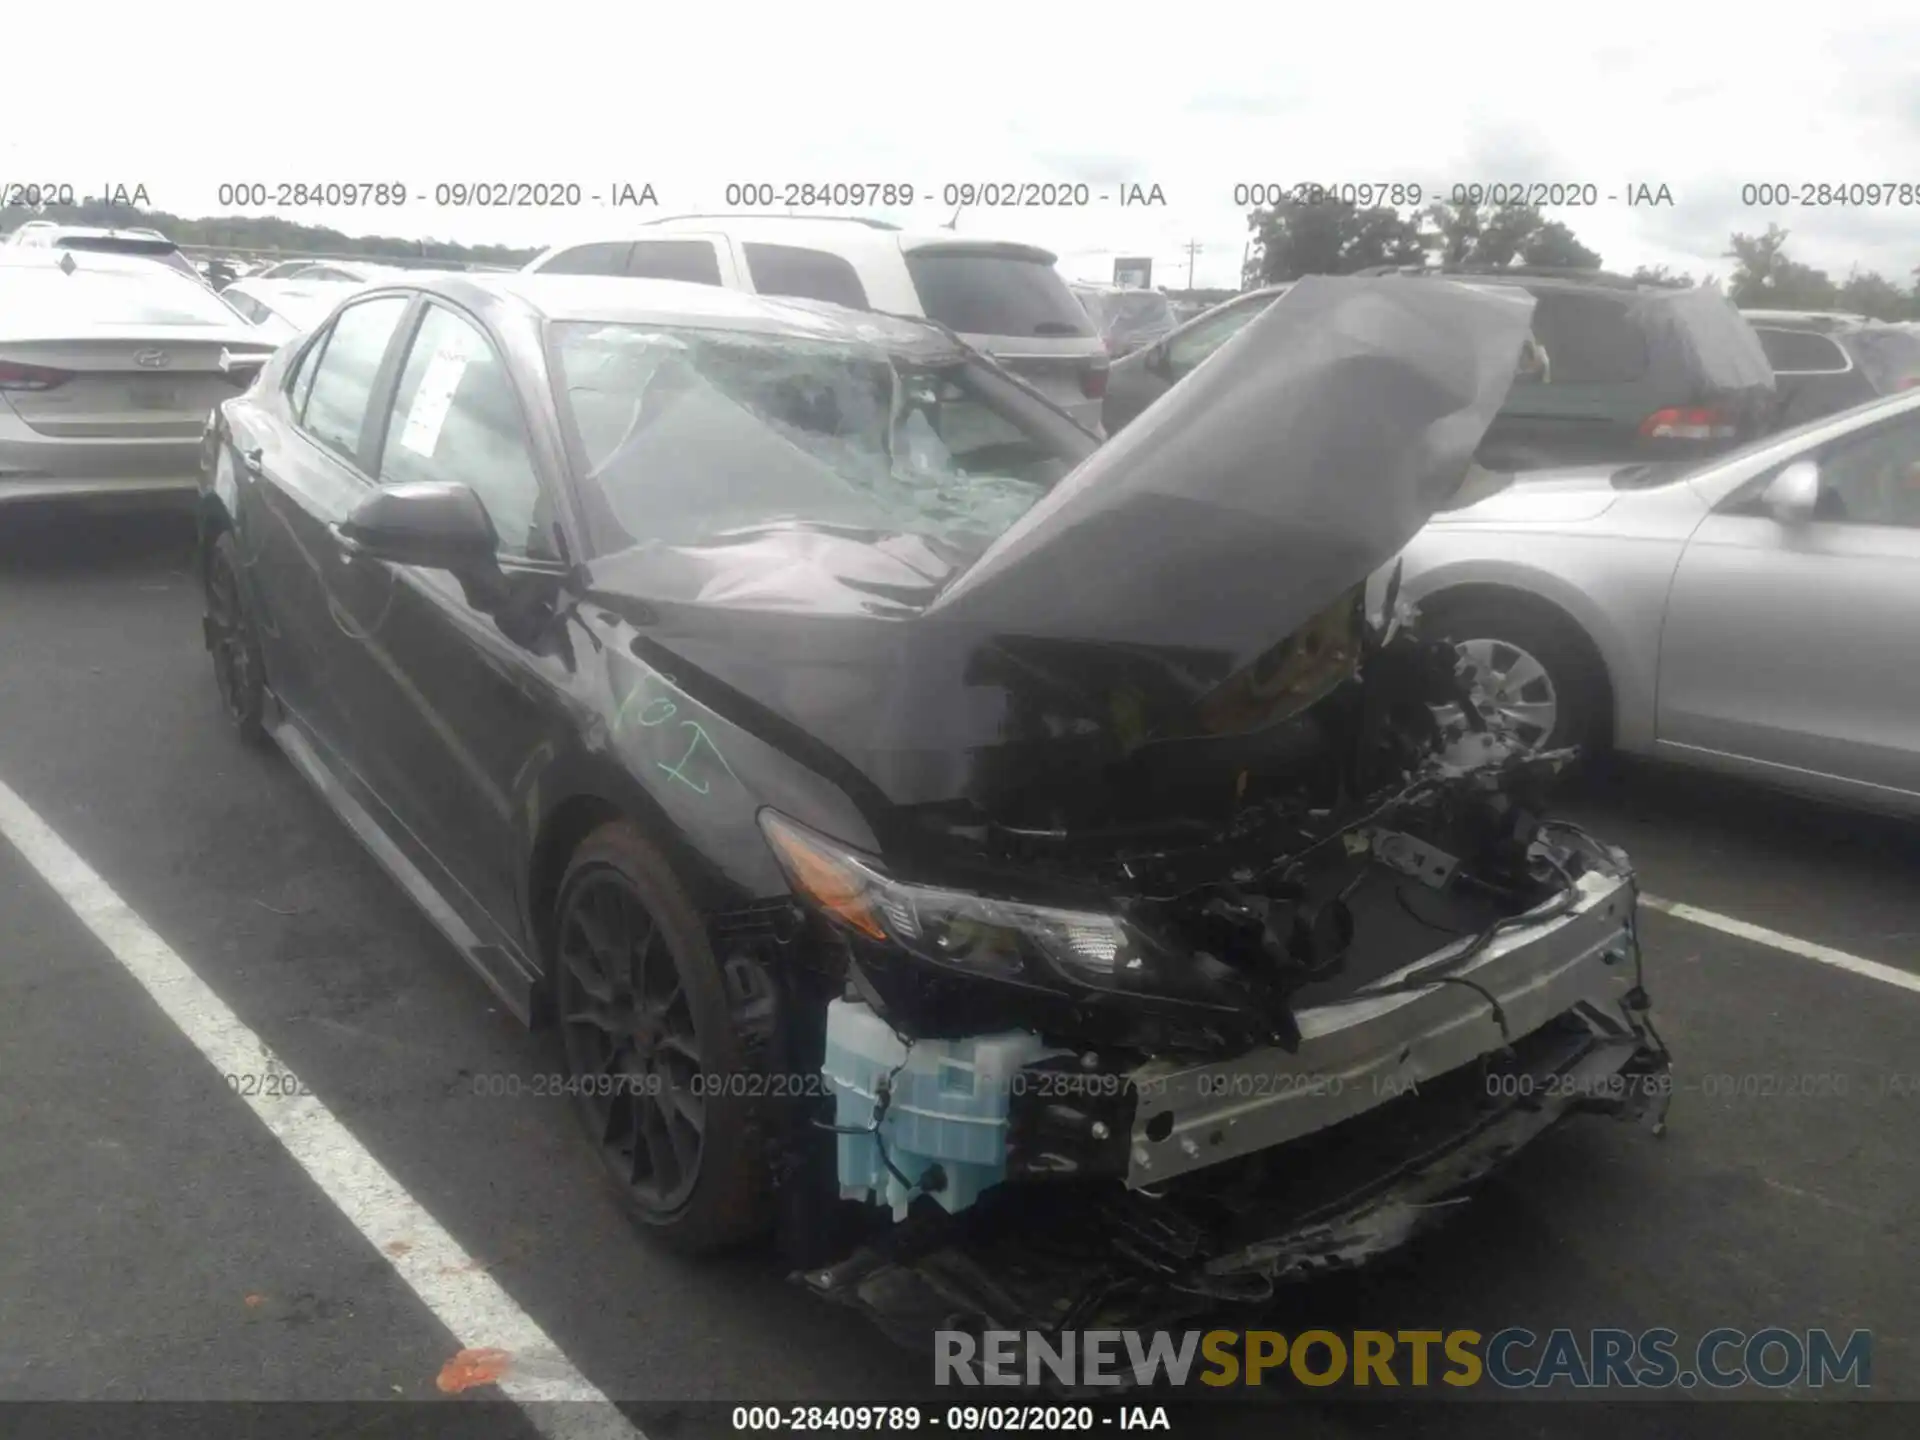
[[688, 435]]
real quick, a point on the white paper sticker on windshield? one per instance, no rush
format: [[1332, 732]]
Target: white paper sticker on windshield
[[432, 401]]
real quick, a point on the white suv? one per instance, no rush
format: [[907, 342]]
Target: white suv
[[1001, 297]]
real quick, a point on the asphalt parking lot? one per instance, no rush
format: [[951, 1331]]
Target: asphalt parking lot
[[157, 1242]]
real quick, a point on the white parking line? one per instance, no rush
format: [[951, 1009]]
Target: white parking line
[[1760, 935], [560, 1401]]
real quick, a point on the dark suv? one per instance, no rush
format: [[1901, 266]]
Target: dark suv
[[1627, 372], [1619, 371], [1825, 362]]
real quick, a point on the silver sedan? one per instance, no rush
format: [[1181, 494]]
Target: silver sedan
[[109, 367], [1759, 614]]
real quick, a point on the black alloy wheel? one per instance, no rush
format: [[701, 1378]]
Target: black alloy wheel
[[232, 641], [653, 1058]]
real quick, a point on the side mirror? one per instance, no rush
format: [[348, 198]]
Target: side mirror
[[1792, 496], [438, 524]]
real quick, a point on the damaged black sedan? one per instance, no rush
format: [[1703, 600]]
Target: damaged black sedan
[[1021, 873]]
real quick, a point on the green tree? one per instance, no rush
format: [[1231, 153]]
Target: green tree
[[1328, 237], [1765, 278], [1554, 244], [1471, 237], [1458, 229], [1870, 293], [1660, 275]]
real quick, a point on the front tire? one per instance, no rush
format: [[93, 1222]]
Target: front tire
[[1537, 669], [661, 1078]]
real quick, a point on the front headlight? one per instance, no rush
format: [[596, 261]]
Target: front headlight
[[1004, 939]]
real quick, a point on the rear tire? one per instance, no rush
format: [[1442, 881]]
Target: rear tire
[[1539, 668], [669, 1094], [239, 669]]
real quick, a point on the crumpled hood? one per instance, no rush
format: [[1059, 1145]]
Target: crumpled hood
[[1249, 499], [1303, 454]]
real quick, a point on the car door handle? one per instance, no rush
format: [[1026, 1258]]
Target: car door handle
[[252, 460]]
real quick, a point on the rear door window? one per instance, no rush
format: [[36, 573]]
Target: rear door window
[[609, 258], [808, 274], [342, 384], [1011, 292], [694, 260], [1800, 352], [1589, 339]]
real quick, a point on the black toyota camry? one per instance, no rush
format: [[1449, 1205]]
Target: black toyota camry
[[972, 852]]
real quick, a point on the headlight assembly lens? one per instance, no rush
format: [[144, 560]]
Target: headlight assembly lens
[[952, 927]]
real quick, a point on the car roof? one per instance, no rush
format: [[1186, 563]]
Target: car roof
[[1534, 277], [48, 258], [1812, 319], [104, 232], [627, 300], [850, 234]]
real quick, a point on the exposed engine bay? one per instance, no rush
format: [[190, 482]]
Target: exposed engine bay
[[1295, 990]]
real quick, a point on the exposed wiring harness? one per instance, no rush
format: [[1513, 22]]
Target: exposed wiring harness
[[1619, 860], [1439, 971]]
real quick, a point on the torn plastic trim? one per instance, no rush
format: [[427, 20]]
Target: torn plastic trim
[[1357, 1053], [1142, 1260], [1373, 1223]]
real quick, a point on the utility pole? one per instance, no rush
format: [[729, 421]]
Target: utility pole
[[1194, 247]]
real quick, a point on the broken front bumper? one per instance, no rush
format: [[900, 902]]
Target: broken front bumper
[[1361, 1052], [1377, 1127], [1074, 1257]]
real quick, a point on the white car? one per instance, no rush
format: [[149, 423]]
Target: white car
[[999, 296], [144, 243], [285, 308], [335, 270]]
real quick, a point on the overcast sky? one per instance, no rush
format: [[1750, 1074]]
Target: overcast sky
[[1195, 98]]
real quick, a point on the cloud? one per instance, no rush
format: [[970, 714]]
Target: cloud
[[1195, 100]]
